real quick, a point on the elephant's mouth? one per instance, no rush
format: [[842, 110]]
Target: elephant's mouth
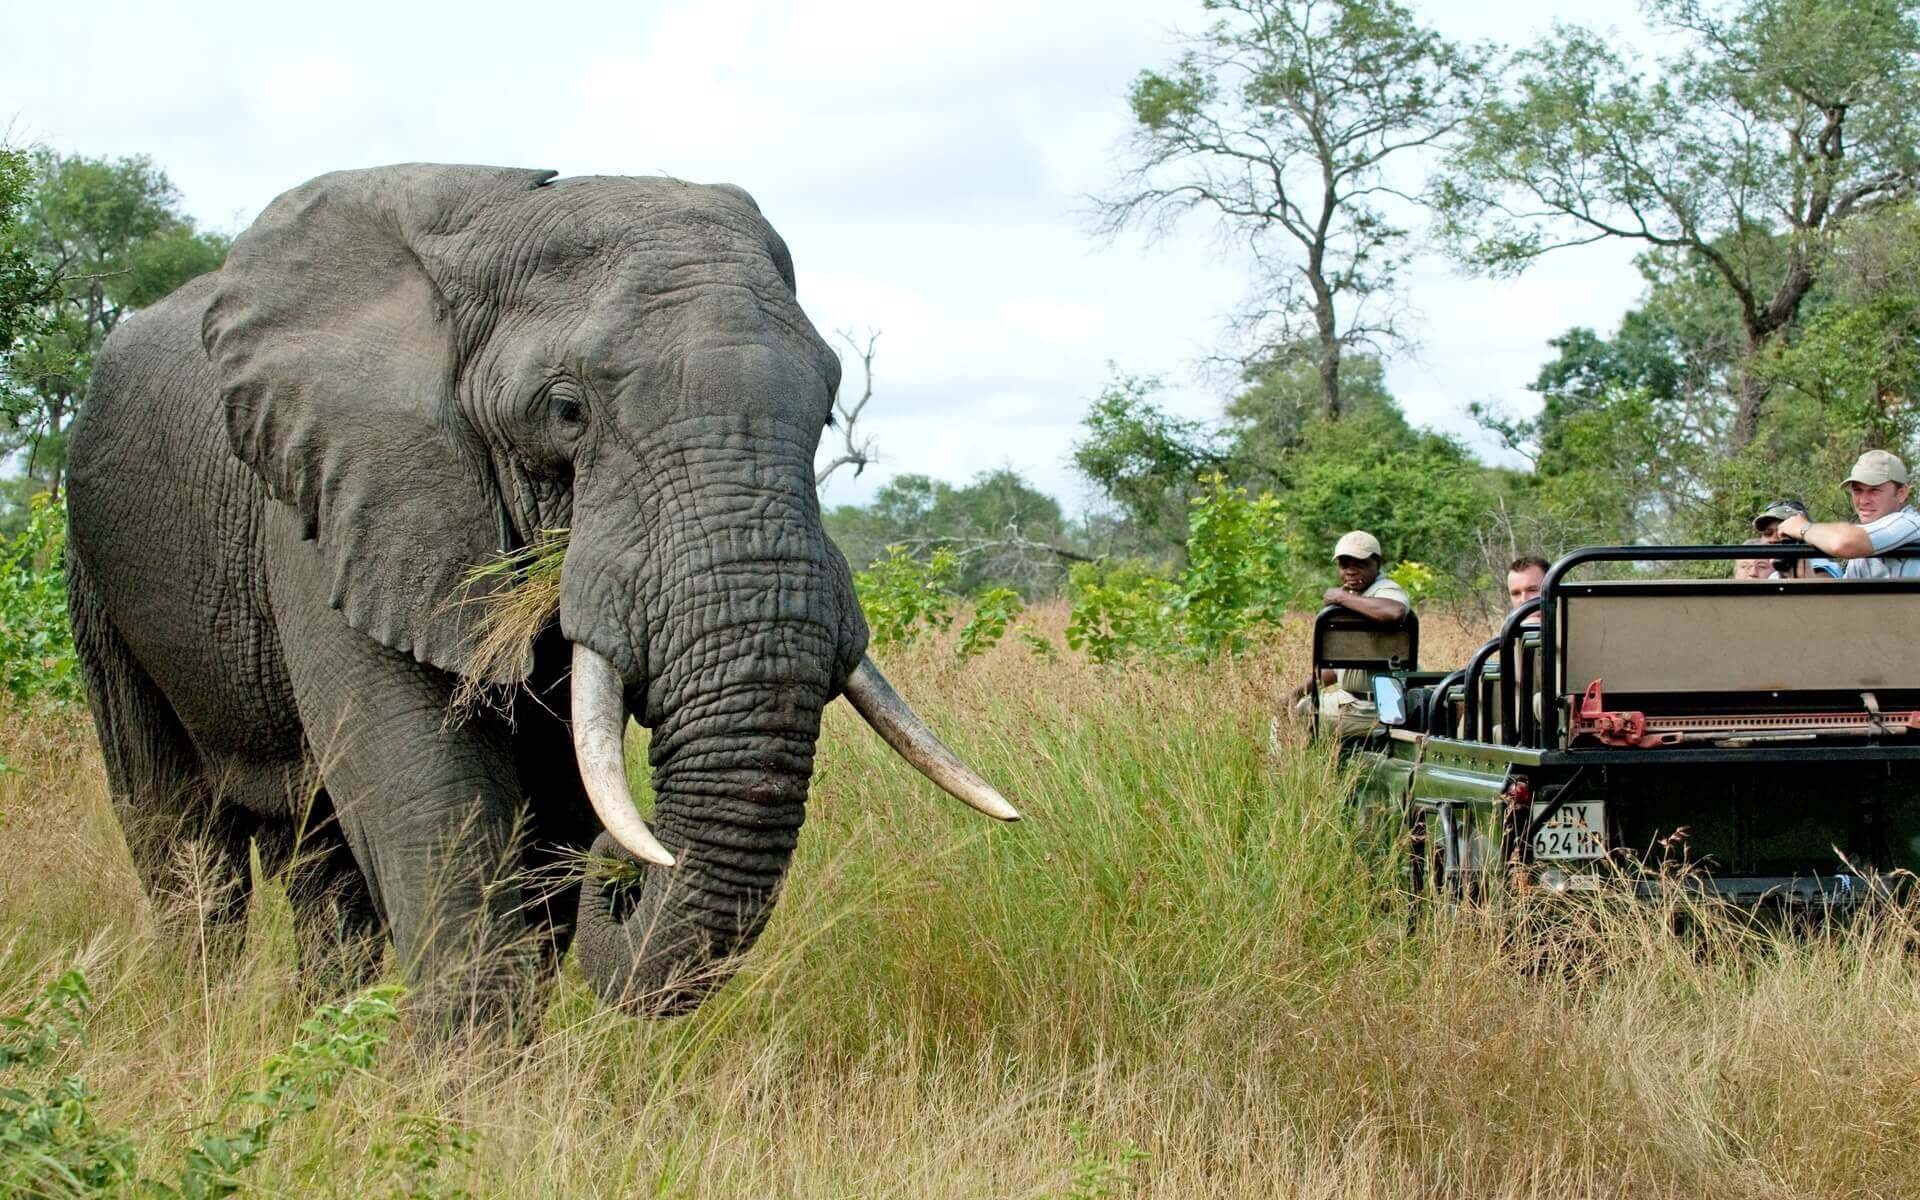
[[599, 737]]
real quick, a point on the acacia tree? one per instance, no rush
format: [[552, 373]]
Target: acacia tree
[[111, 237], [1285, 120], [1779, 122]]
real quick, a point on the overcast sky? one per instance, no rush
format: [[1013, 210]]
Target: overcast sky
[[928, 167]]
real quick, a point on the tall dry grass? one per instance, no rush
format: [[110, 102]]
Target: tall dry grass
[[1188, 949]]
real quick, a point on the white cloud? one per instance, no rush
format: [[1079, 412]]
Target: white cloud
[[302, 88]]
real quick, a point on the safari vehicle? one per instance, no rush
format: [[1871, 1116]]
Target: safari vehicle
[[1762, 735]]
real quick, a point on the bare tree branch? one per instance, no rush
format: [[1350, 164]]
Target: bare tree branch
[[857, 453]]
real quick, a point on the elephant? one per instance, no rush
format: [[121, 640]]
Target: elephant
[[286, 487]]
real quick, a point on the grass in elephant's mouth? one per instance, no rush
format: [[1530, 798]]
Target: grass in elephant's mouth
[[1185, 951], [518, 596]]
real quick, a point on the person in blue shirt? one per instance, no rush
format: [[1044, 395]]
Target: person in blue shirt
[[1880, 493]]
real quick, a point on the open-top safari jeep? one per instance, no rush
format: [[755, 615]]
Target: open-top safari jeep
[[1762, 735]]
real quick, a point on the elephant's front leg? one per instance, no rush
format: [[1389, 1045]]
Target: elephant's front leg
[[428, 807]]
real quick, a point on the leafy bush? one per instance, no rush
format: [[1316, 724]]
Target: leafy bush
[[1416, 579], [1236, 581], [993, 610], [37, 663], [904, 596], [1121, 609], [52, 1145]]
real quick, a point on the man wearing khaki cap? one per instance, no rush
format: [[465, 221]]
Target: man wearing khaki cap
[[1366, 591], [1878, 487]]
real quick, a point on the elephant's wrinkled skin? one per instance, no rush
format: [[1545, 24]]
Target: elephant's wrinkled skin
[[288, 470]]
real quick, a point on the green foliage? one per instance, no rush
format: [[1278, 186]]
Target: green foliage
[[1143, 460], [993, 610], [1001, 530], [1420, 493], [54, 1017], [904, 596], [1416, 579], [420, 1163], [51, 1144], [23, 283], [1236, 577], [1122, 608], [1102, 1168], [339, 1041], [1775, 125], [1269, 419], [1038, 645], [37, 663], [1235, 583], [110, 237]]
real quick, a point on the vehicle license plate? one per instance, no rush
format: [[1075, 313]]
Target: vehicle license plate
[[1576, 831]]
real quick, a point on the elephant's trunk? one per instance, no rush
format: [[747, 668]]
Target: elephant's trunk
[[730, 787]]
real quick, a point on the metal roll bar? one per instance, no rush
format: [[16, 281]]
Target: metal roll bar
[[1549, 682], [1511, 687], [1476, 667]]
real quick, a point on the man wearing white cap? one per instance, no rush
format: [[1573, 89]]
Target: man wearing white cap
[[1364, 590], [1878, 487]]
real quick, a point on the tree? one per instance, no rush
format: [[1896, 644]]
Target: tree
[[111, 236], [1270, 418], [22, 285], [1284, 120], [998, 531], [1779, 122], [1421, 493], [1145, 461]]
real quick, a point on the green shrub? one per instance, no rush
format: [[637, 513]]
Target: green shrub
[[993, 610], [37, 663], [1121, 609], [51, 1144], [904, 596], [1236, 582]]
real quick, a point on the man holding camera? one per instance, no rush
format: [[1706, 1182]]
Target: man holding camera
[[1879, 491], [1767, 525]]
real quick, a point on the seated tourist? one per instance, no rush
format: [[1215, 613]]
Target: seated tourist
[[1365, 590], [1524, 577], [1754, 568], [1767, 525], [1878, 488]]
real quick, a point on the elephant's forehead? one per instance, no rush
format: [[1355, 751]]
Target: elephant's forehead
[[596, 222]]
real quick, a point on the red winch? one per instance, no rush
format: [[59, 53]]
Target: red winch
[[1633, 728]]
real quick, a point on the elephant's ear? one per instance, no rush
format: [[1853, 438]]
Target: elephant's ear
[[334, 339]]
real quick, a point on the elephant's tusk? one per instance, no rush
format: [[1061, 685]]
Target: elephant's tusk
[[874, 699], [599, 747]]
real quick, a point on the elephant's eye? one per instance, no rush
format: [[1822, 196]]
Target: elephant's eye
[[565, 402]]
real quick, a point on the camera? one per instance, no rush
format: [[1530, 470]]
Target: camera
[[1785, 566]]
